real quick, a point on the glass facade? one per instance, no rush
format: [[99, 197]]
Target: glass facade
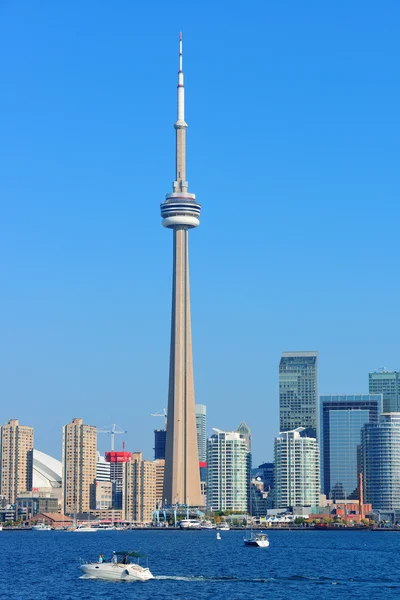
[[342, 418], [201, 430], [386, 383], [380, 461], [298, 392]]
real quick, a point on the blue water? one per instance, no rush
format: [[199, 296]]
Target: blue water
[[195, 565]]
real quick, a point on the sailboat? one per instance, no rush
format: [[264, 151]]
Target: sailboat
[[255, 539]]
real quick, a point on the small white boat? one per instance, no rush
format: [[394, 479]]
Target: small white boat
[[121, 568], [223, 526], [218, 535], [41, 527], [85, 529], [190, 524], [1, 528], [257, 539]]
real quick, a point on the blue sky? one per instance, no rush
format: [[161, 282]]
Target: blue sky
[[293, 152]]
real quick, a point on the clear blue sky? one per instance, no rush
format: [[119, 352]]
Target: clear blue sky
[[293, 152]]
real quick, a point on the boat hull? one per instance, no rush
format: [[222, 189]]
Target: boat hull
[[117, 572]]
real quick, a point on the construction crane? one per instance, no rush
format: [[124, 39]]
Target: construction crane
[[161, 413], [112, 430]]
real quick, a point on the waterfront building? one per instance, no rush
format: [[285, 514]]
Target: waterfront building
[[227, 471], [117, 461], [380, 462], [298, 392], [180, 212], [386, 383], [102, 468], [140, 489], [342, 418], [29, 504], [16, 460], [296, 470], [201, 429], [160, 438], [79, 459]]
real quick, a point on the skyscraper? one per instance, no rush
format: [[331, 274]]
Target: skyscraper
[[386, 383], [201, 428], [160, 437], [342, 418], [380, 460], [79, 460], [118, 461], [296, 470], [298, 392], [227, 471], [180, 212], [16, 460]]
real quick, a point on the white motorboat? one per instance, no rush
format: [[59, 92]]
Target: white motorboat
[[257, 539], [42, 526], [190, 524], [124, 566], [85, 529], [223, 526]]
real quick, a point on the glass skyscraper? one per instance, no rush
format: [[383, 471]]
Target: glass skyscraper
[[298, 392], [386, 383], [380, 459], [342, 418]]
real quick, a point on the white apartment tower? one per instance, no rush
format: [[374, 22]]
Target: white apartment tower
[[16, 460], [296, 470], [201, 429], [79, 461], [227, 471]]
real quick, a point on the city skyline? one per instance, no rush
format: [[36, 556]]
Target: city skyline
[[87, 276]]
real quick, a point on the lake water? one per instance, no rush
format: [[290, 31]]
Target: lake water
[[195, 565]]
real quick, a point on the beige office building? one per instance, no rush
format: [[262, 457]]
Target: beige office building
[[16, 460], [79, 458], [140, 489]]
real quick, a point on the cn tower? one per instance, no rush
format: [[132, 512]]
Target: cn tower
[[180, 212]]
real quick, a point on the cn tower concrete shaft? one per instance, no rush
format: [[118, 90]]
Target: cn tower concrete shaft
[[181, 212]]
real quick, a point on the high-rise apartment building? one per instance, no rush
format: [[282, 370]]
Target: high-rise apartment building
[[296, 470], [380, 461], [298, 392], [117, 461], [342, 418], [201, 429], [160, 467], [180, 213], [79, 460], [227, 471], [386, 383], [140, 489], [16, 460]]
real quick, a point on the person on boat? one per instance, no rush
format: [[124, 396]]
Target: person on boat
[[114, 558], [100, 559]]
